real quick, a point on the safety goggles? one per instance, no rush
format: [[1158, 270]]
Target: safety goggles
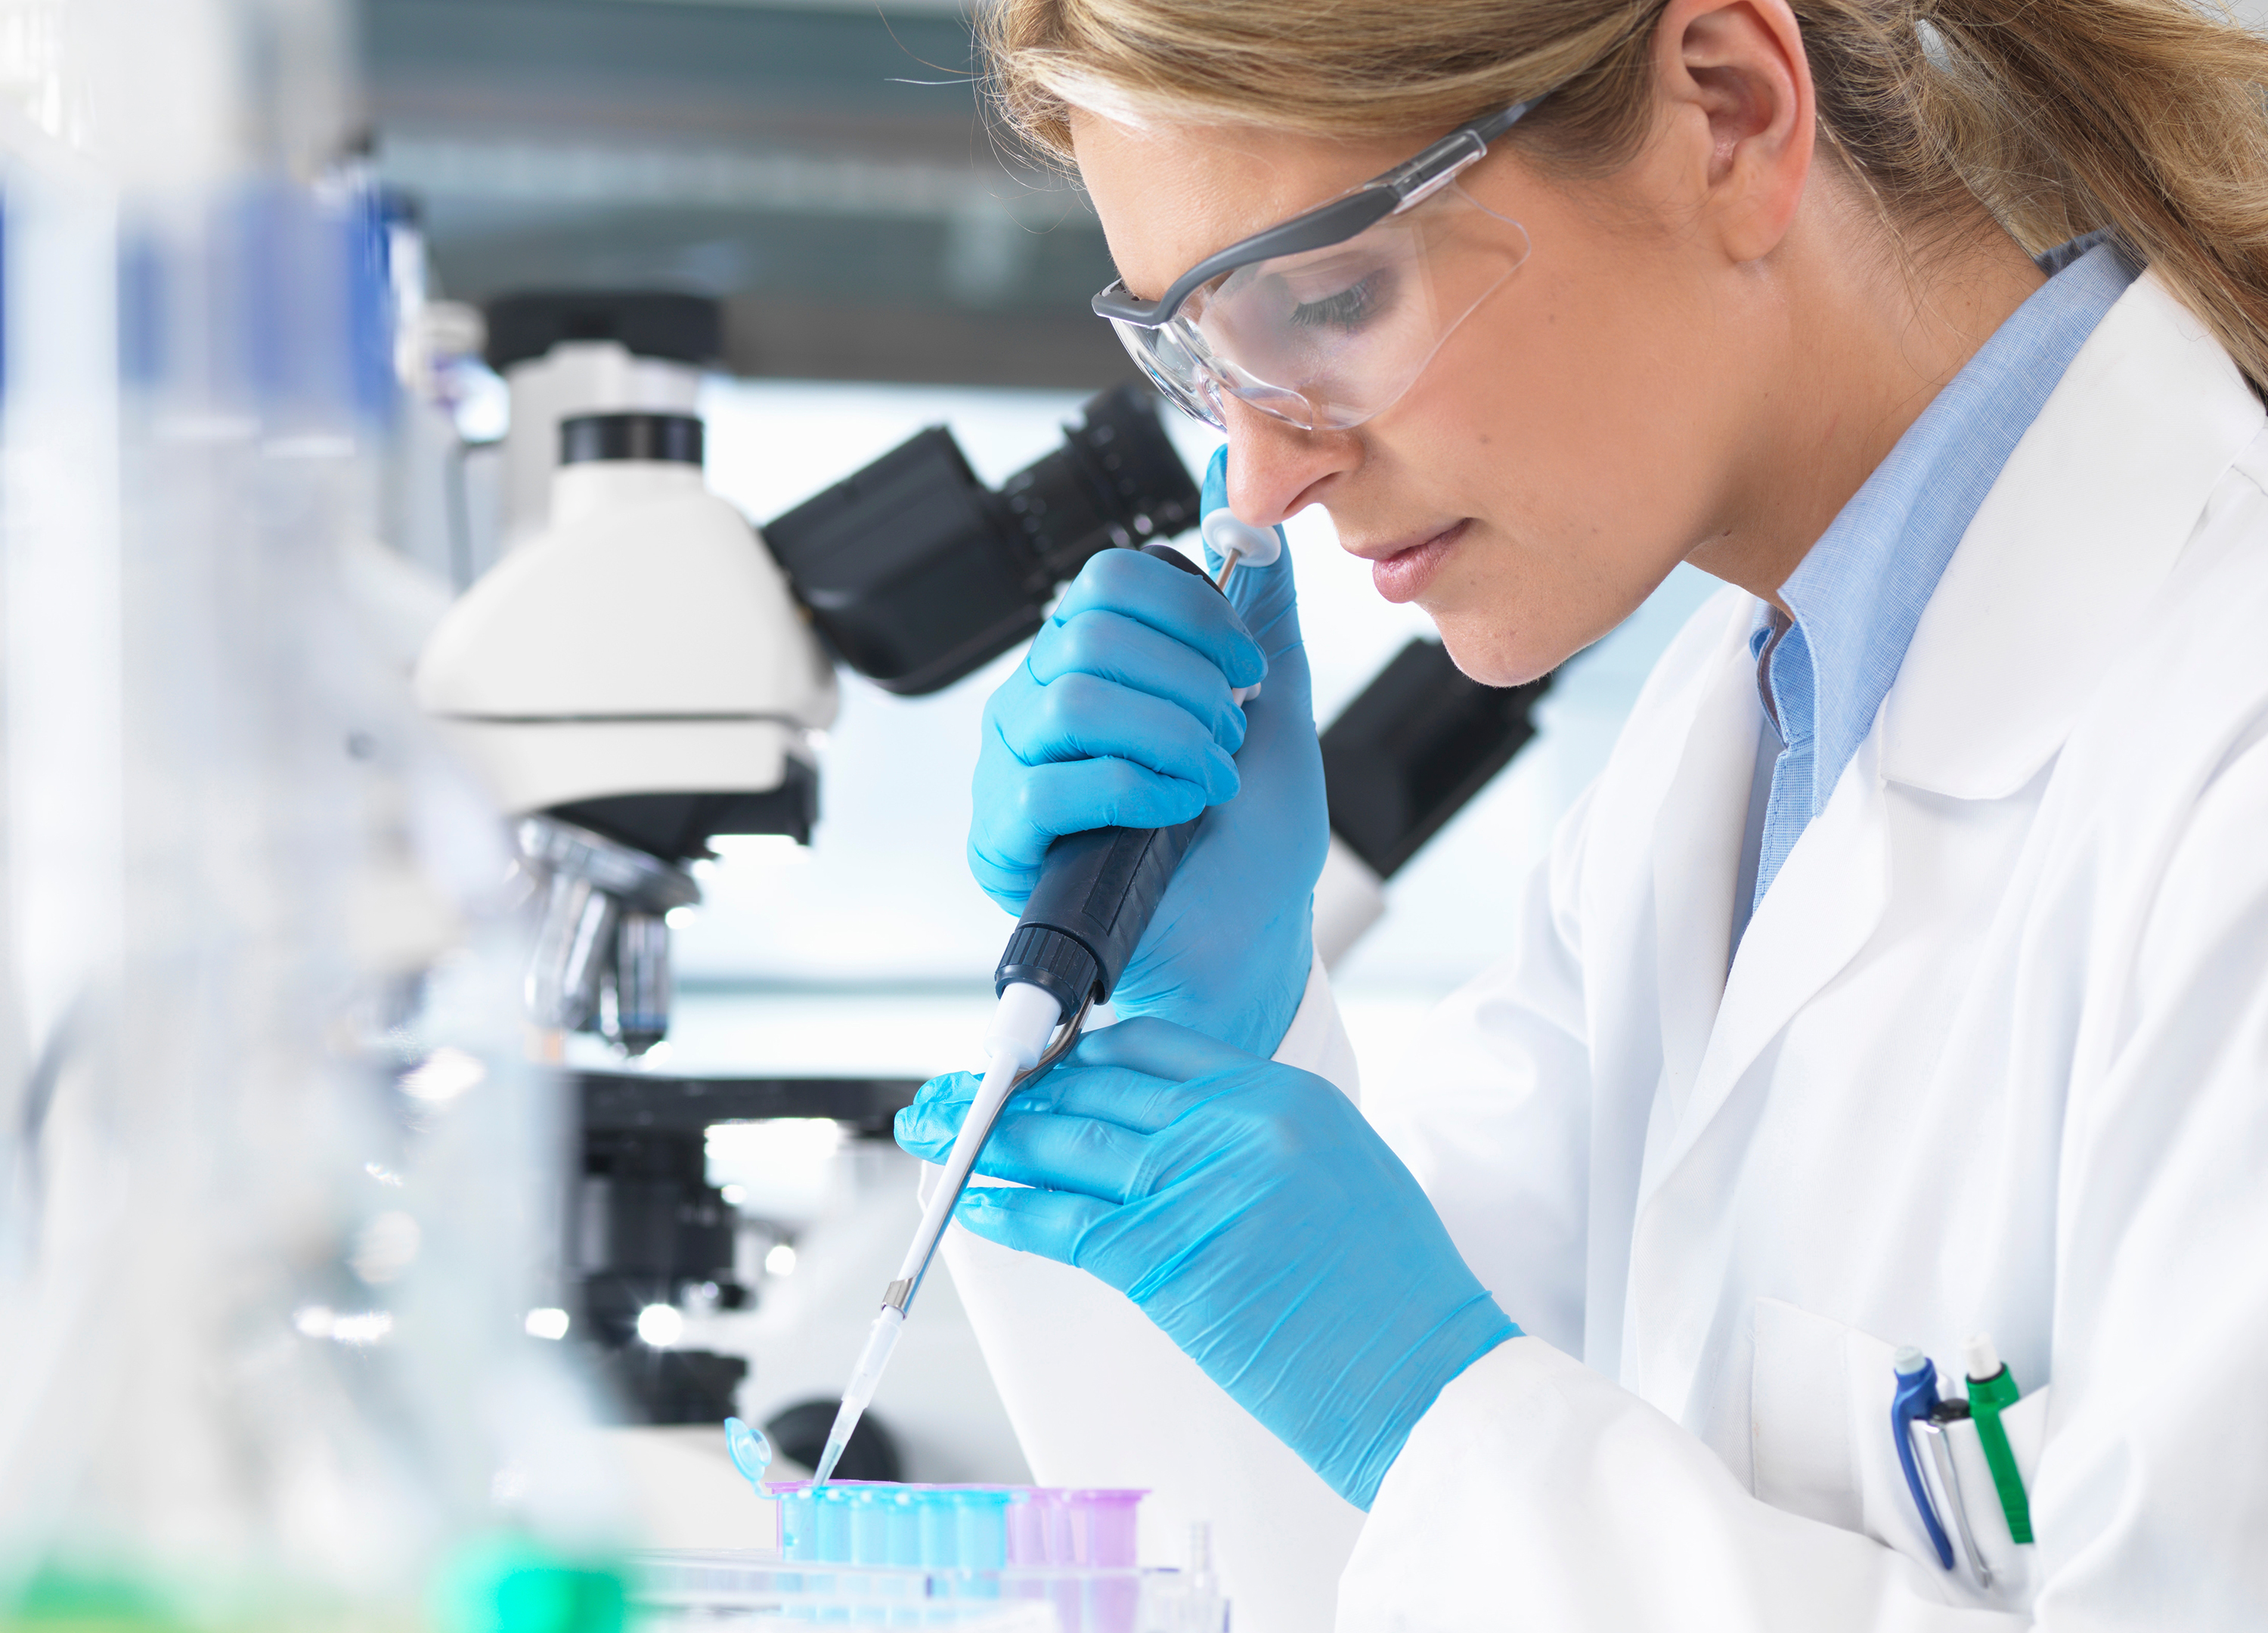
[[1328, 318]]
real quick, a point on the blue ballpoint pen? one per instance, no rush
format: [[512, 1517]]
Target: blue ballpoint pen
[[1917, 1394]]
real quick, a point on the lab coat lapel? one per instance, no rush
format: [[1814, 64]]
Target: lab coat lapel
[[2084, 523], [1711, 1027], [1686, 807], [2088, 517], [1819, 912], [1696, 853]]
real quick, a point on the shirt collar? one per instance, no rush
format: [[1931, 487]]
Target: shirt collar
[[2071, 549], [1859, 593]]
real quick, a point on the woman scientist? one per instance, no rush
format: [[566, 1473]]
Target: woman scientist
[[1902, 978]]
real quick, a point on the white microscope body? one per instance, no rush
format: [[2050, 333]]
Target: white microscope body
[[640, 651], [642, 643]]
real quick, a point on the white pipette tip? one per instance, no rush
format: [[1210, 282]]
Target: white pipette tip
[[881, 1338], [1021, 1025], [838, 1438]]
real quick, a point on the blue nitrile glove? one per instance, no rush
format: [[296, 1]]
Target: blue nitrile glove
[[1252, 1214], [1121, 716]]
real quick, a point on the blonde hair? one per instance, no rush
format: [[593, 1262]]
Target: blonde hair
[[2149, 117]]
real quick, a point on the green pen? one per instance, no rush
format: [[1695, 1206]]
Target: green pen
[[1991, 1391]]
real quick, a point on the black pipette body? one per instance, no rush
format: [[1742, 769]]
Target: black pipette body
[[1096, 894]]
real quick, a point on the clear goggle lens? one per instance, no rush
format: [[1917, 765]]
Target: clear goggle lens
[[1328, 338]]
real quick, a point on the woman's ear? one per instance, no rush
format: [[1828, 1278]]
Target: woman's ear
[[1736, 113]]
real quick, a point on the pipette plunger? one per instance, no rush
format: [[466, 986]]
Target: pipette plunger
[[1237, 543]]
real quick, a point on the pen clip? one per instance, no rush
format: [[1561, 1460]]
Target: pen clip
[[1934, 1429], [1916, 1392]]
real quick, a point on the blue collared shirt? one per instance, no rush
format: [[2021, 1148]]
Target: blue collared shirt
[[1859, 593]]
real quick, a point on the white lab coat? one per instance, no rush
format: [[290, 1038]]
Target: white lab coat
[[1993, 1056]]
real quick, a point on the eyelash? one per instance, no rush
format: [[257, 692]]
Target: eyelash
[[1344, 310]]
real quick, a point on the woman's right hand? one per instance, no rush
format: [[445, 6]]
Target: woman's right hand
[[1122, 716]]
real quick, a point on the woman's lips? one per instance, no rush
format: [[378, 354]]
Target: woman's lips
[[1403, 575]]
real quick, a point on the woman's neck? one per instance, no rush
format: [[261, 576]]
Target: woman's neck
[[1871, 336]]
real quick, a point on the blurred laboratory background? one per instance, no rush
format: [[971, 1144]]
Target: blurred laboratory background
[[822, 169], [473, 908]]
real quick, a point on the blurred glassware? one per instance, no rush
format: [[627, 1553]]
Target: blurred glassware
[[273, 1176]]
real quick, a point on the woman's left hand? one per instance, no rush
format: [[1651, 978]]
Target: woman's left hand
[[1252, 1214]]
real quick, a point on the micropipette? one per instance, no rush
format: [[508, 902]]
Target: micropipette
[[1094, 897]]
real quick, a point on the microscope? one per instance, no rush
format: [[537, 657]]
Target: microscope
[[643, 672]]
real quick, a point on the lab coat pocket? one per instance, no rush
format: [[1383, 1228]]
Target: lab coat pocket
[[1820, 1435], [1820, 1425], [1799, 1417]]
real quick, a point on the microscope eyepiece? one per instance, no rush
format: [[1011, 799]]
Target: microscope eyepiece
[[917, 574], [1115, 481]]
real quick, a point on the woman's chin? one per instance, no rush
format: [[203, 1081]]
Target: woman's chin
[[1485, 650]]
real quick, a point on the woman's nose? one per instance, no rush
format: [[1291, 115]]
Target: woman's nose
[[1276, 469]]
